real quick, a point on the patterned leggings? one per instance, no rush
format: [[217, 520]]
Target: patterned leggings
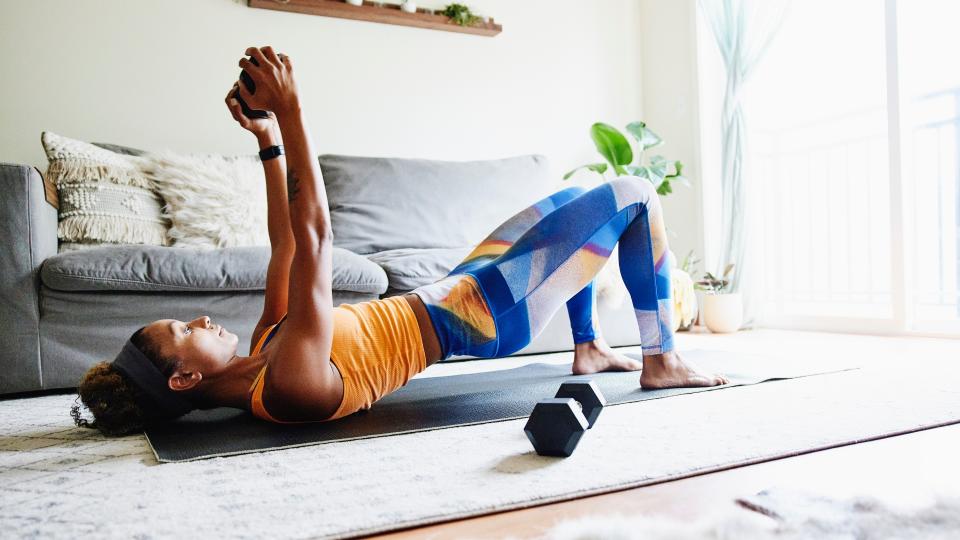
[[507, 290]]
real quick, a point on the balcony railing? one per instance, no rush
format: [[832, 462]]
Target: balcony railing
[[825, 194]]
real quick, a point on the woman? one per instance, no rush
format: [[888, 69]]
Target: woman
[[310, 361]]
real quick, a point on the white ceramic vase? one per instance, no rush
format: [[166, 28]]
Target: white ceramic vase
[[355, 2], [723, 313], [409, 7]]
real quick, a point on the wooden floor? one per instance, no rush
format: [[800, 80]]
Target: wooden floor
[[905, 469]]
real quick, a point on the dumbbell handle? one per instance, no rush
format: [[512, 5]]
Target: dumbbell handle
[[586, 389]]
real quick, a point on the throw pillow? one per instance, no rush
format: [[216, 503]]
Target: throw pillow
[[104, 197], [212, 201], [410, 268]]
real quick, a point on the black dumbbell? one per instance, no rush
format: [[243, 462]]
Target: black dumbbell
[[587, 395], [247, 81], [557, 424]]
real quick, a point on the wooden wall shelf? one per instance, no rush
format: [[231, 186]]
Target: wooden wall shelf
[[379, 12]]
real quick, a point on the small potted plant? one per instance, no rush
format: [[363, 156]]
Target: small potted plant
[[460, 14], [722, 309], [408, 6]]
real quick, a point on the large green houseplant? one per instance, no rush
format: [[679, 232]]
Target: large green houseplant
[[619, 155]]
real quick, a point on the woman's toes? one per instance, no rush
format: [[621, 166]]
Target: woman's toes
[[630, 364]]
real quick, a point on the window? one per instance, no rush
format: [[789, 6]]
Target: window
[[853, 137], [930, 102]]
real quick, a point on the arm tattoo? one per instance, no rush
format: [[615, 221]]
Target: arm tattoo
[[293, 182]]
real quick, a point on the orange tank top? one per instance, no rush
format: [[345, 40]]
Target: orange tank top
[[377, 347]]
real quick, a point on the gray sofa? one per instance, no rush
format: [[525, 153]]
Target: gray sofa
[[398, 224]]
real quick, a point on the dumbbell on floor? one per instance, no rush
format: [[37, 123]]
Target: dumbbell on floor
[[557, 424]]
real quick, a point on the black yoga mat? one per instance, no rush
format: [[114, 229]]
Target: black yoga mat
[[443, 402]]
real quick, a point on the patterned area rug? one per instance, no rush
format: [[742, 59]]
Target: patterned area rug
[[58, 481]]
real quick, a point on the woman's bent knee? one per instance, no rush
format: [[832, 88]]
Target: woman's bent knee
[[630, 189]]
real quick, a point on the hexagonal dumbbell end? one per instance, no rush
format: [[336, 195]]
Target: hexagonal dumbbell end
[[587, 393], [555, 426]]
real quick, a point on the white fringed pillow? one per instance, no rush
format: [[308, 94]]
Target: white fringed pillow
[[105, 197], [212, 201]]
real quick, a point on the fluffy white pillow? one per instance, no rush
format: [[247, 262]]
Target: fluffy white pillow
[[212, 201]]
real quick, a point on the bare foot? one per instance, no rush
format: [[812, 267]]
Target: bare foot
[[670, 371], [593, 356]]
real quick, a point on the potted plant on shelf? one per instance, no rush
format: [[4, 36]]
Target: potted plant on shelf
[[722, 309], [460, 14], [619, 155]]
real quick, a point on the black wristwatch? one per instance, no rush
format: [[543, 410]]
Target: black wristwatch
[[271, 152]]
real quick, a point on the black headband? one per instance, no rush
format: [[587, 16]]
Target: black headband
[[157, 400]]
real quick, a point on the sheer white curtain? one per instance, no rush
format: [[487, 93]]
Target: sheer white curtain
[[743, 30]]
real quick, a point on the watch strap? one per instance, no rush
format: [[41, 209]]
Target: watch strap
[[271, 152]]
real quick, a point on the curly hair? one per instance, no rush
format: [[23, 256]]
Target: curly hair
[[112, 398]]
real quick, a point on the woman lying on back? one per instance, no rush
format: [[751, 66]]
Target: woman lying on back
[[311, 361]]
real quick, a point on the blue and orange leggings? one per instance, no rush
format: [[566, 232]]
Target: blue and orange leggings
[[507, 290]]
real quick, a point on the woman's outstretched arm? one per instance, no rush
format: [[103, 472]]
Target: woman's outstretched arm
[[278, 217], [305, 381]]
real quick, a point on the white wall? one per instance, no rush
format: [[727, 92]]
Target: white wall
[[712, 82], [671, 109], [152, 74]]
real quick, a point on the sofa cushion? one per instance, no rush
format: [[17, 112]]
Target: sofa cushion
[[380, 204], [150, 268], [410, 268]]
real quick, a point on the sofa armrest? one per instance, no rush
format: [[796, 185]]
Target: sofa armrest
[[28, 226]]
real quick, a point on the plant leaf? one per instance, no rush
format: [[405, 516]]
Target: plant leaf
[[645, 138], [599, 168], [612, 145], [657, 160], [664, 188], [658, 171], [637, 170], [689, 262]]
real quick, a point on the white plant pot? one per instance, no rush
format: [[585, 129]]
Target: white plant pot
[[409, 7], [723, 313], [355, 2]]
